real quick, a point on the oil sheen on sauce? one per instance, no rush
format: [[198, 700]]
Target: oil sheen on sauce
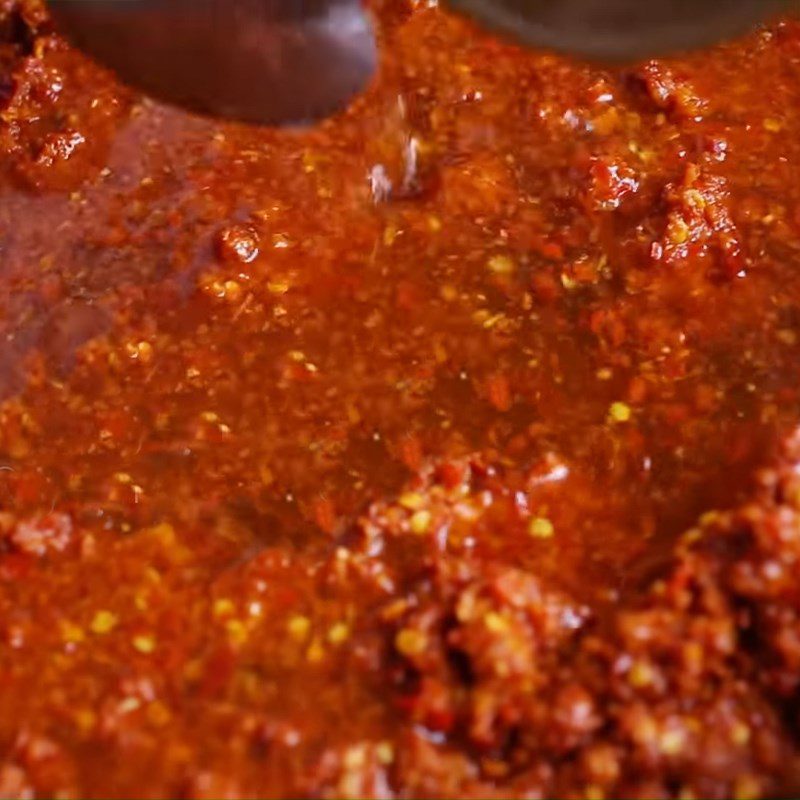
[[444, 449]]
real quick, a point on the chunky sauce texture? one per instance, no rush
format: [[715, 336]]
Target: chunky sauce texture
[[445, 449]]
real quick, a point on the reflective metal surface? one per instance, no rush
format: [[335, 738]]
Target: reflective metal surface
[[619, 29], [295, 61], [266, 61]]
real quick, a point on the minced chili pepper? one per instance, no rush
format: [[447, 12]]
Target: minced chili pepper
[[444, 449]]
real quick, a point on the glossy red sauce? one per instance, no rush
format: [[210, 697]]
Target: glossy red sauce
[[359, 461]]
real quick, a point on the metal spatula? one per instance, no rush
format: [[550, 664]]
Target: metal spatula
[[265, 61], [618, 30], [290, 61]]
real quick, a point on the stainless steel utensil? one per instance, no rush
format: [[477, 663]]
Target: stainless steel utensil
[[266, 61], [294, 61], [617, 30]]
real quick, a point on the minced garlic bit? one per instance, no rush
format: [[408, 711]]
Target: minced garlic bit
[[541, 528], [641, 674], [412, 501], [385, 752], [410, 642], [278, 287], [298, 626], [420, 521], [223, 606], [338, 632], [144, 643], [140, 351], [236, 630], [500, 265], [619, 412], [495, 622], [103, 622], [672, 742]]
